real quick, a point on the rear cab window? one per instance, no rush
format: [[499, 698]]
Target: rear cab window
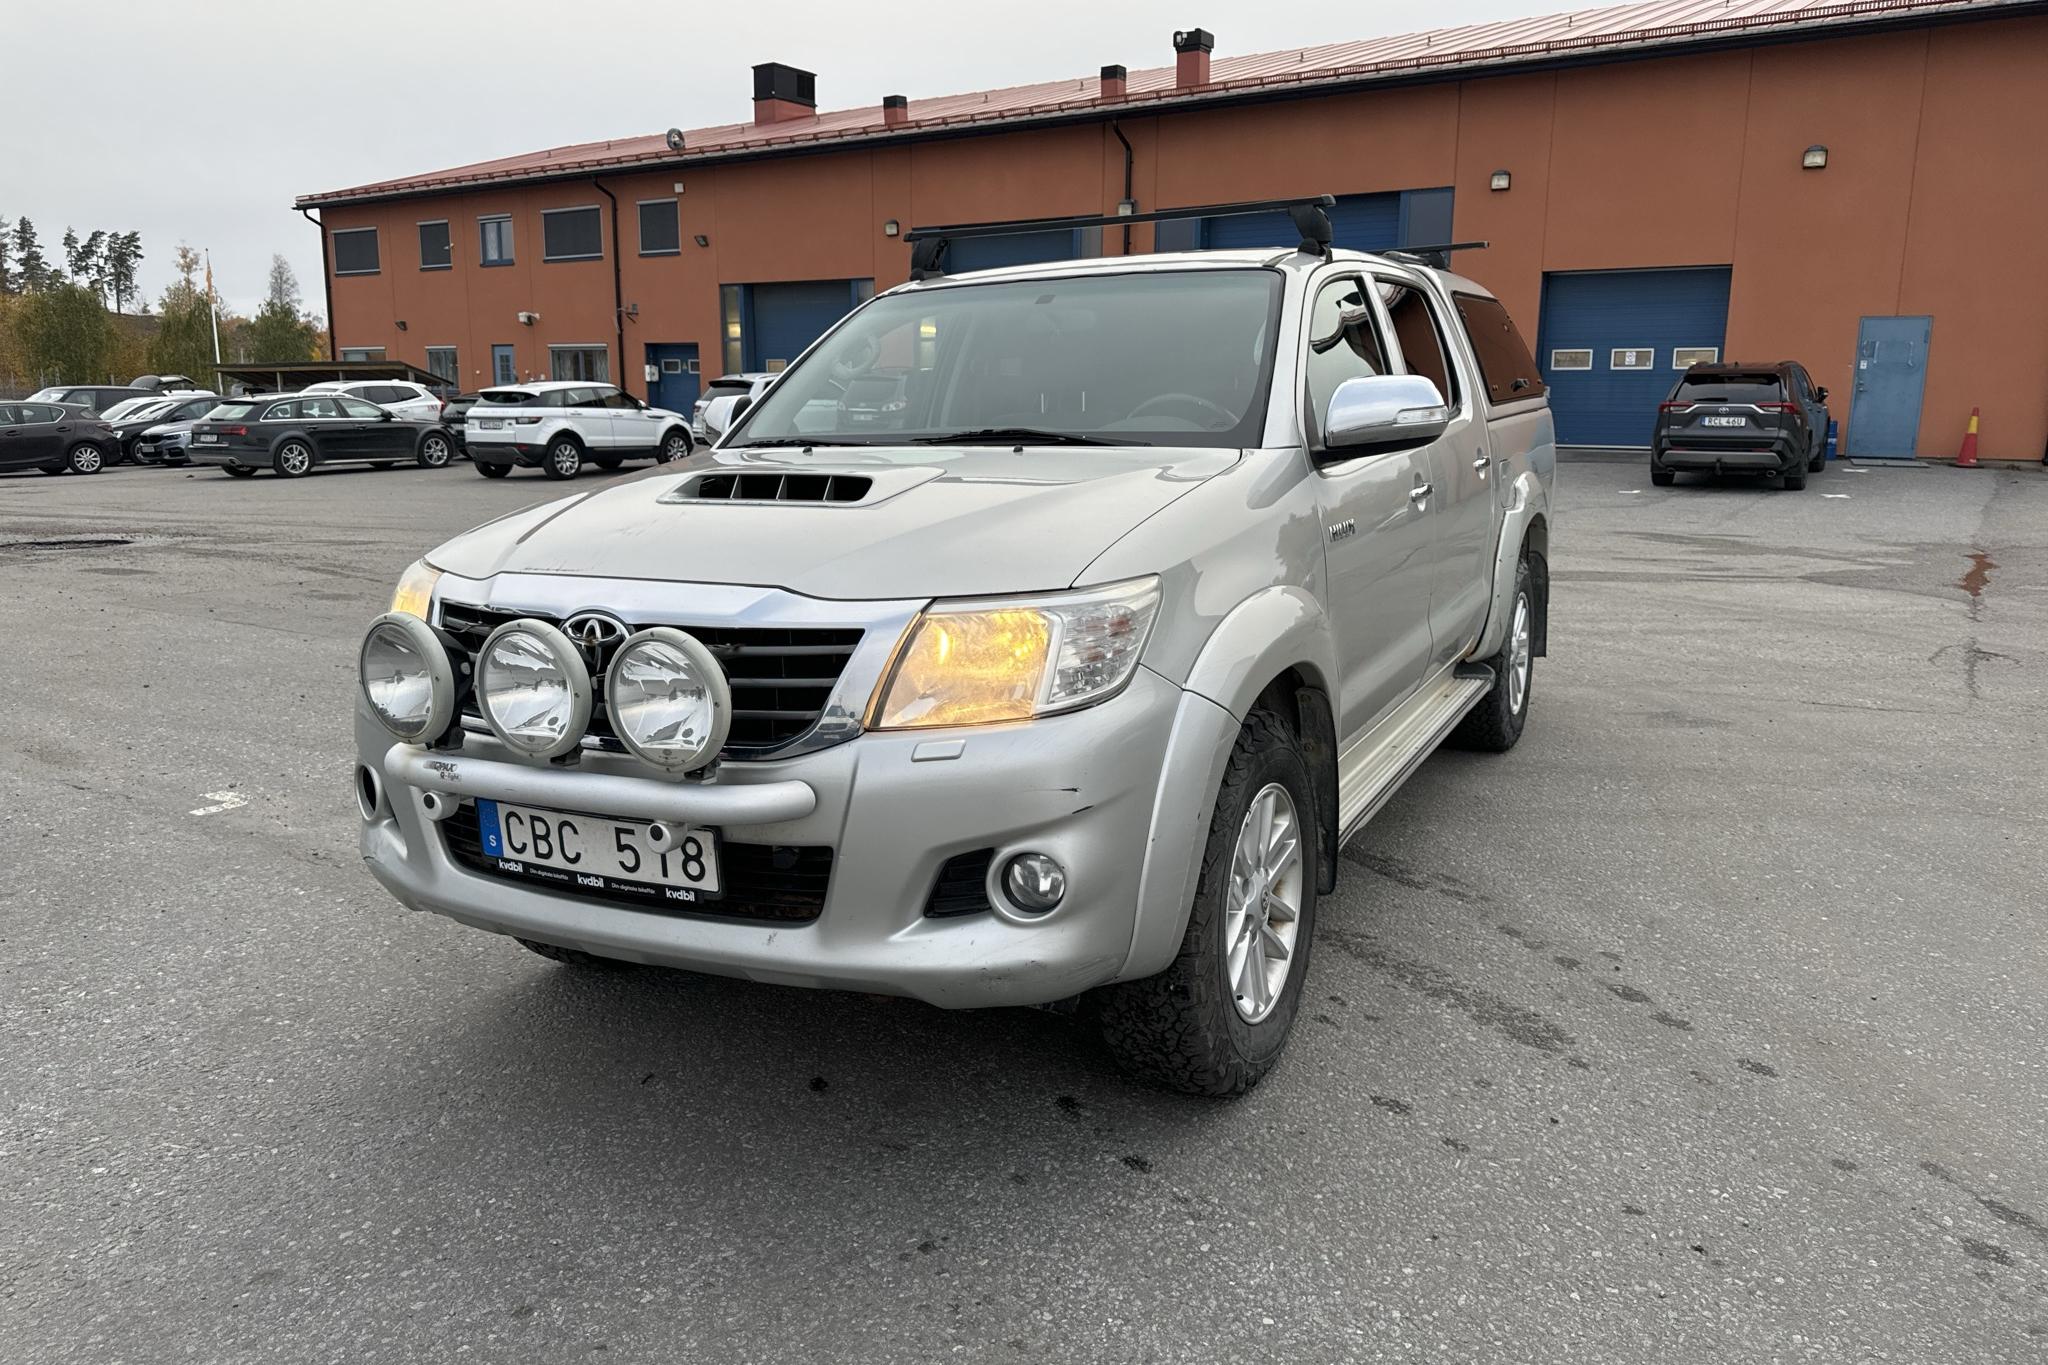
[[1759, 387], [1505, 365]]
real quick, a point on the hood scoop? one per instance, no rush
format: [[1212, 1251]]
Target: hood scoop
[[772, 486]]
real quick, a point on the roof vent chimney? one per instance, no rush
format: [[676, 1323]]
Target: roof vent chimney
[[895, 110], [783, 92], [1191, 66], [1115, 84]]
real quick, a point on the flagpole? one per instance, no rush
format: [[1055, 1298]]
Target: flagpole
[[213, 307]]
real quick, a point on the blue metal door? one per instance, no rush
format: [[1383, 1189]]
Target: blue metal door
[[1612, 343], [1891, 375], [783, 318], [503, 368], [675, 375]]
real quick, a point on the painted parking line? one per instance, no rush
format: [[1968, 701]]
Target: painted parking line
[[225, 800]]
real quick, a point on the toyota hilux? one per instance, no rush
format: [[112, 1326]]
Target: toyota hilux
[[1062, 674]]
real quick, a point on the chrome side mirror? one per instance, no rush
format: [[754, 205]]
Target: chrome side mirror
[[1384, 412]]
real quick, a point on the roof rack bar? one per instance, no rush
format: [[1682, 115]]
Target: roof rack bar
[[1438, 256], [1311, 219]]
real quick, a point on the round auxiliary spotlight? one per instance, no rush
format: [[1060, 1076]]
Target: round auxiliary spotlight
[[533, 689], [668, 699], [407, 678]]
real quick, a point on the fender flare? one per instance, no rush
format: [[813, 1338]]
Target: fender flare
[[1527, 509], [1266, 635]]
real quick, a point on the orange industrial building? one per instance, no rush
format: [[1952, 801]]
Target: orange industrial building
[[1856, 186]]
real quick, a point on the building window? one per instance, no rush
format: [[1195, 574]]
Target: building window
[[355, 251], [362, 353], [496, 240], [571, 234], [1685, 357], [504, 368], [730, 328], [661, 232], [591, 363], [441, 361], [1578, 359], [437, 251], [1631, 358]]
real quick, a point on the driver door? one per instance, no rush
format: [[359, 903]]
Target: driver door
[[1378, 518], [375, 432]]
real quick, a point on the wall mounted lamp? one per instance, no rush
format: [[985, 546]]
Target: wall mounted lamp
[[1500, 180], [401, 324], [702, 240], [1814, 158], [891, 228]]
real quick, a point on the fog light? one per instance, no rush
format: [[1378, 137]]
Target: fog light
[[1034, 883]]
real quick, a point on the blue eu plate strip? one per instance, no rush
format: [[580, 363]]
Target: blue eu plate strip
[[487, 822]]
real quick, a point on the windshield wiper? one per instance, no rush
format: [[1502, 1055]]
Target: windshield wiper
[[1013, 436], [773, 441]]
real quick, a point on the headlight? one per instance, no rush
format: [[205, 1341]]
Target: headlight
[[668, 699], [972, 663], [415, 595], [407, 677], [533, 689]]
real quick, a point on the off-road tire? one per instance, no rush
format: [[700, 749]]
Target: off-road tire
[[1180, 1028], [1663, 478], [1496, 723], [557, 464], [575, 957], [491, 471], [85, 458]]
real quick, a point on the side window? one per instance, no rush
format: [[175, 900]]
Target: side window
[[1419, 331], [1343, 343], [280, 412], [621, 401], [322, 406], [355, 407], [1504, 362], [41, 412]]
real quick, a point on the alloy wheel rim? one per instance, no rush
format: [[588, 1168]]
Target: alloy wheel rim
[[677, 447], [567, 459], [1262, 909], [1518, 655], [437, 451], [296, 459], [88, 461]]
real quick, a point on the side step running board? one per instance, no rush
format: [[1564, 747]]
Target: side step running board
[[1372, 770]]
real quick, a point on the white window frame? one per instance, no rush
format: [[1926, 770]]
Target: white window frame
[[640, 227], [1713, 356], [545, 214], [599, 347], [1649, 364], [335, 234], [1557, 365], [454, 354], [511, 244]]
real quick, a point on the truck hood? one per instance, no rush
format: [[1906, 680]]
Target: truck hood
[[936, 521]]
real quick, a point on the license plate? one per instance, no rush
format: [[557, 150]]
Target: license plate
[[491, 423], [596, 852], [1725, 421], [208, 436]]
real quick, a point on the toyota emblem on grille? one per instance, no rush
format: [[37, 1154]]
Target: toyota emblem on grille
[[596, 634]]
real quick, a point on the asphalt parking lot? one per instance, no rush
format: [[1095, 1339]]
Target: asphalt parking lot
[[1705, 1026]]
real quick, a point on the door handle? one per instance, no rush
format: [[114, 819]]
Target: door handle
[[1421, 492]]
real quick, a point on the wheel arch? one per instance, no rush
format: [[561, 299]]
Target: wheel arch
[[1524, 529]]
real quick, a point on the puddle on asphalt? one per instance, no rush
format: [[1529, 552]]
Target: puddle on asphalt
[[1979, 577]]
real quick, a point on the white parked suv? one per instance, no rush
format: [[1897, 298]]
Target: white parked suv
[[414, 402], [558, 425], [713, 412]]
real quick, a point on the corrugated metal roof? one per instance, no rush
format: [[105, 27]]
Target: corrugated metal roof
[[1651, 25]]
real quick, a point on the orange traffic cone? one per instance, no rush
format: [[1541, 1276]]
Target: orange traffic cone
[[1966, 458]]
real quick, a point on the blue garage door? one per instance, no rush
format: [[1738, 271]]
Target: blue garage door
[[1611, 344], [783, 318], [1026, 248], [1359, 222]]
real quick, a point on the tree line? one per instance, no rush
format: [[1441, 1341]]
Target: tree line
[[65, 320]]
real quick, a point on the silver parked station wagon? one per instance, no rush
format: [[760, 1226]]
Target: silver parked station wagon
[[1040, 635]]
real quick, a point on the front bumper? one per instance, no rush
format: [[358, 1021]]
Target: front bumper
[[1098, 789]]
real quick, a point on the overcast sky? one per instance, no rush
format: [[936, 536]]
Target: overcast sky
[[200, 123]]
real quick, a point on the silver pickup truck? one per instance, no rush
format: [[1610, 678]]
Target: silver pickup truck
[[1041, 635]]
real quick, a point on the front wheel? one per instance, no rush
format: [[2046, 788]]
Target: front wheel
[[674, 446], [1217, 1019], [1496, 723], [435, 451], [293, 459], [564, 460], [84, 458]]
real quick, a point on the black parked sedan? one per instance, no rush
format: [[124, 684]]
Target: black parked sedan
[[129, 426], [53, 437], [293, 432]]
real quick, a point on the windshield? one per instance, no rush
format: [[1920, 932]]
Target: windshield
[[1154, 358]]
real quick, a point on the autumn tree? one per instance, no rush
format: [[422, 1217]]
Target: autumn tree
[[65, 334], [31, 271], [281, 332]]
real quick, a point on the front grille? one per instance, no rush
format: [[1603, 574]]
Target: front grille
[[962, 886], [781, 677], [783, 883]]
